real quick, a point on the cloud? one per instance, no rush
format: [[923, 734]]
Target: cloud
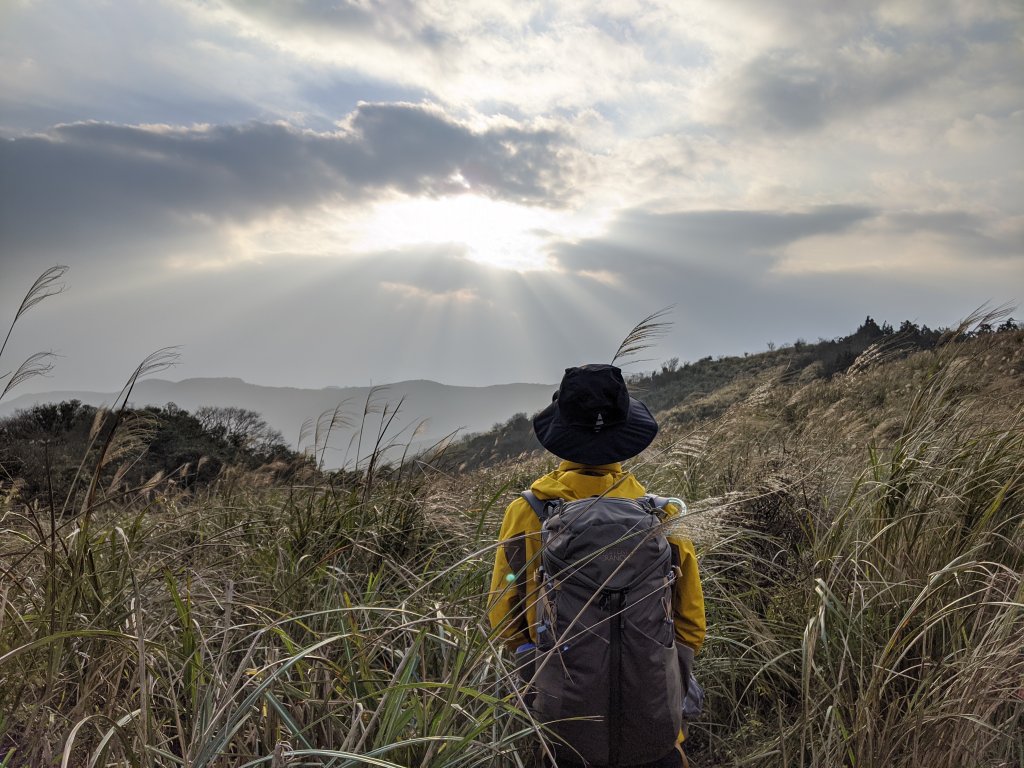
[[132, 62], [785, 91], [599, 275], [967, 233], [518, 56], [398, 21], [717, 240], [756, 250], [404, 290], [955, 247], [87, 181], [834, 67]]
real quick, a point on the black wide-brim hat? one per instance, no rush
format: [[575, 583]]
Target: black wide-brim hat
[[592, 418]]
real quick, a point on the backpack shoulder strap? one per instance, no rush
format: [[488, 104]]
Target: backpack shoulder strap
[[657, 504], [542, 509]]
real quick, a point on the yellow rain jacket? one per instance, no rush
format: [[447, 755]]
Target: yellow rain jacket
[[513, 605]]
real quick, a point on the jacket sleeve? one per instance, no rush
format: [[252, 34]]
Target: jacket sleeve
[[507, 601], [688, 603]]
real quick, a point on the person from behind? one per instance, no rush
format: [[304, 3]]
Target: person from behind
[[593, 589]]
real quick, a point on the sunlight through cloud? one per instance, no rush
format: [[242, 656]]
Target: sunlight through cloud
[[498, 234]]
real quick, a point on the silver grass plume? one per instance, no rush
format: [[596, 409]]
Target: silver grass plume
[[652, 327], [46, 285]]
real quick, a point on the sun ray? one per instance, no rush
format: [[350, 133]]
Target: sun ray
[[492, 232]]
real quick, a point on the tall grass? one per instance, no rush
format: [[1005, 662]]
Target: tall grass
[[862, 570], [333, 621], [873, 616]]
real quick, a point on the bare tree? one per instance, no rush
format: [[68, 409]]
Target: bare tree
[[241, 427]]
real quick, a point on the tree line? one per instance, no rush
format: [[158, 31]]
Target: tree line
[[44, 448]]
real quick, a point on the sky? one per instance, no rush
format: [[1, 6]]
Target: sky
[[311, 193]]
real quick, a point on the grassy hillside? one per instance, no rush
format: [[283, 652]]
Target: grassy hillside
[[860, 537], [705, 389]]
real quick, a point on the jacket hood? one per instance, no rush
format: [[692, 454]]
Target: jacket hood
[[573, 481]]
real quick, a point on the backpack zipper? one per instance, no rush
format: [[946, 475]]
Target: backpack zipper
[[615, 679]]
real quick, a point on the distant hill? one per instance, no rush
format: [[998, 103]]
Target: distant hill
[[440, 408]]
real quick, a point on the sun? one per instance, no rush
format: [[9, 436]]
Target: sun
[[497, 233]]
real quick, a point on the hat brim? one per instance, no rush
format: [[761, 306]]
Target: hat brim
[[584, 446]]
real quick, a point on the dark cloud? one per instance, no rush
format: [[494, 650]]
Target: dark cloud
[[90, 180], [787, 91], [725, 241], [417, 149], [845, 66], [394, 21], [970, 233]]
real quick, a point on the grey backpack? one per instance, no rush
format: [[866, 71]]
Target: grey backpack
[[607, 678]]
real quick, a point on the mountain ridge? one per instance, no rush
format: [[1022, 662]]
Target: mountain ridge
[[429, 409]]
